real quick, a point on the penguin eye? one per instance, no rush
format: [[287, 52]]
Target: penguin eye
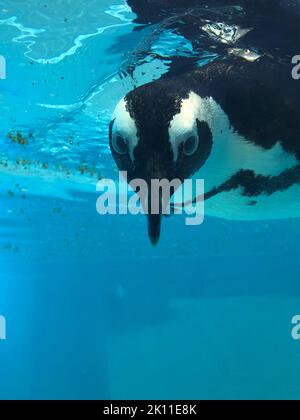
[[190, 145], [120, 144]]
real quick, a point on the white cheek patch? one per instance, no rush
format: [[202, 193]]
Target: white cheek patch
[[124, 126], [184, 123]]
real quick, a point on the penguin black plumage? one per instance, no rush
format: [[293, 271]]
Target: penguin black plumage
[[274, 24]]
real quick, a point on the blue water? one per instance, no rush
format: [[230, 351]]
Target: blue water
[[92, 309]]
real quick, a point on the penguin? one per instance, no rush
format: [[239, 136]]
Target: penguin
[[233, 123]]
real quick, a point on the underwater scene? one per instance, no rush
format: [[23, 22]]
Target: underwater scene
[[100, 301]]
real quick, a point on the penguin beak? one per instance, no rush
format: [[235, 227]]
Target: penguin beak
[[154, 222], [154, 170]]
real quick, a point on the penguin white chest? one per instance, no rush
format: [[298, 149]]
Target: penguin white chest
[[264, 190]]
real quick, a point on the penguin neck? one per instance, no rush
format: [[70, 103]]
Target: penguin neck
[[224, 160], [231, 152]]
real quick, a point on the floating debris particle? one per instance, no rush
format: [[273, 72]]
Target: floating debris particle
[[10, 248], [82, 169], [17, 138]]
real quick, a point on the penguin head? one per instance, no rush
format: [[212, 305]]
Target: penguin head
[[156, 133]]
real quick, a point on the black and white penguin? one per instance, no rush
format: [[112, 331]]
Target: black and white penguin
[[233, 123]]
